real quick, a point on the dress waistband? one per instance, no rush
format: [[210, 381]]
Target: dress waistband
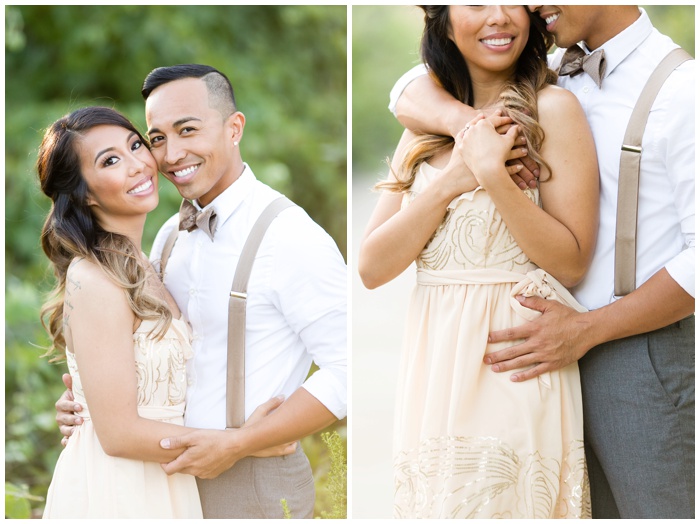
[[537, 283]]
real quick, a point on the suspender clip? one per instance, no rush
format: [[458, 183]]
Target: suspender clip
[[632, 149]]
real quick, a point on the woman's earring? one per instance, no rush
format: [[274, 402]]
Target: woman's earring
[[235, 144]]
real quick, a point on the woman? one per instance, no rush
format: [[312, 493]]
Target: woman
[[122, 333], [468, 442]]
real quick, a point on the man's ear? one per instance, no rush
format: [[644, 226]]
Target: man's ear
[[235, 124]]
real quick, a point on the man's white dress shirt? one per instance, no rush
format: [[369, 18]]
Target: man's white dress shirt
[[296, 306], [666, 213]]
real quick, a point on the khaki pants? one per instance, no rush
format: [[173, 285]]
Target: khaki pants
[[254, 487]]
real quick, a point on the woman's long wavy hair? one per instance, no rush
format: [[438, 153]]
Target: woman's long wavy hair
[[448, 67], [71, 230]]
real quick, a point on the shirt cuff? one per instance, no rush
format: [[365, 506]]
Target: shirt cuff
[[402, 82], [682, 270]]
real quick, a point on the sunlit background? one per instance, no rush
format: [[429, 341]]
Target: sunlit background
[[385, 43]]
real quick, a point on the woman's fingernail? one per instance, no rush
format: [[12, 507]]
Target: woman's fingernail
[[165, 443]]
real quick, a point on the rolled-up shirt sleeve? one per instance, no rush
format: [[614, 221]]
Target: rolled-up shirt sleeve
[[408, 77]]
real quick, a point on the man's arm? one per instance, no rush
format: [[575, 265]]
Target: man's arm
[[309, 279], [561, 336], [207, 455], [423, 106]]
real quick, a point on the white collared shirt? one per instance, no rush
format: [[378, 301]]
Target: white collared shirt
[[296, 306], [666, 213], [666, 223]]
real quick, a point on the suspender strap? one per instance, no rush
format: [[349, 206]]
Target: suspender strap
[[235, 369], [628, 185], [167, 249]]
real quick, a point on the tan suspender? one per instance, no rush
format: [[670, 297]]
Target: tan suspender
[[628, 184], [235, 373], [235, 367]]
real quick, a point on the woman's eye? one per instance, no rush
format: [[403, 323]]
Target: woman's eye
[[110, 161], [136, 145]]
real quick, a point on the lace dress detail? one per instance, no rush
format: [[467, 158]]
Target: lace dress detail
[[469, 443], [89, 483]]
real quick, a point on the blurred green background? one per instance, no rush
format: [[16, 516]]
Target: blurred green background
[[288, 66], [385, 43]]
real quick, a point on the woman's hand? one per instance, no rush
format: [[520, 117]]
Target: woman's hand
[[260, 413], [485, 151]]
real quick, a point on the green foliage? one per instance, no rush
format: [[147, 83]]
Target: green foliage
[[337, 484], [17, 501], [288, 67], [285, 509]]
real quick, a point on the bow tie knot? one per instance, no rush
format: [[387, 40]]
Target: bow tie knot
[[191, 218], [576, 61]]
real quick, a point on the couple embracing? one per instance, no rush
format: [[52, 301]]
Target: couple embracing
[[513, 391], [149, 424]]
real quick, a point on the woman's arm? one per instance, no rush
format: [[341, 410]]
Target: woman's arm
[[395, 237], [101, 326], [560, 237]]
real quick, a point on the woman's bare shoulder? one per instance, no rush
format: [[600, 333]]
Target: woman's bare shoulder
[[556, 104], [86, 277]]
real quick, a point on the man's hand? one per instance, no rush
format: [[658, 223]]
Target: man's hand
[[553, 341], [66, 407], [261, 412], [208, 453], [523, 170]]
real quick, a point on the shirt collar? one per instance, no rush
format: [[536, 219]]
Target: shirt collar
[[621, 45], [232, 197]]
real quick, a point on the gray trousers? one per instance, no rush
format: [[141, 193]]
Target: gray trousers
[[254, 487], [639, 420]]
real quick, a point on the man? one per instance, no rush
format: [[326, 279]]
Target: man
[[636, 352], [296, 306]]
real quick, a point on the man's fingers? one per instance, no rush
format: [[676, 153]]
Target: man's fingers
[[175, 466], [536, 303], [513, 363], [517, 152], [532, 166], [529, 374], [67, 381]]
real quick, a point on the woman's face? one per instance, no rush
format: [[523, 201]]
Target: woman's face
[[490, 37], [120, 172]]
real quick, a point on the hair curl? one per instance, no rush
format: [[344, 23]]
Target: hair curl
[[448, 67], [71, 230]]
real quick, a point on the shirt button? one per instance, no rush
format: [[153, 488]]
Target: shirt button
[[190, 382], [193, 292], [586, 89]]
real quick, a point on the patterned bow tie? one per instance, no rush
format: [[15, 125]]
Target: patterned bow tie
[[576, 60], [191, 218]]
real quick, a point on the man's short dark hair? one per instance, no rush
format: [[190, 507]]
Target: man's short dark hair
[[219, 87]]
